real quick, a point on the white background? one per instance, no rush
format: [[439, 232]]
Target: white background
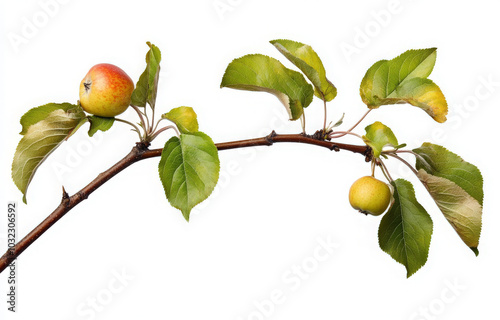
[[272, 204]]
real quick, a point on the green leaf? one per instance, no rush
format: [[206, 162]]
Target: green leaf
[[45, 130], [256, 72], [99, 123], [189, 170], [147, 86], [378, 136], [438, 161], [184, 118], [308, 61], [404, 80], [140, 93], [461, 210], [405, 231]]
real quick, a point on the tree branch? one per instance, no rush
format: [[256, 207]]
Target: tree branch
[[141, 152]]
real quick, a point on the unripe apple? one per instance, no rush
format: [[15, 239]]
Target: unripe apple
[[106, 90], [370, 196]]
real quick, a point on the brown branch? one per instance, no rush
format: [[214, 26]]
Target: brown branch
[[141, 152]]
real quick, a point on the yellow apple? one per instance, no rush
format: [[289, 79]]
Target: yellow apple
[[370, 196], [106, 90]]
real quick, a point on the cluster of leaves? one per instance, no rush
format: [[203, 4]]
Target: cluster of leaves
[[455, 185], [257, 72], [189, 164]]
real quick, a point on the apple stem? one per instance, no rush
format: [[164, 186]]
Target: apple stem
[[385, 171]]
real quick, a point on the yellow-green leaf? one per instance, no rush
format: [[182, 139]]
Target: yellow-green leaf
[[307, 60], [404, 80], [184, 118], [378, 136]]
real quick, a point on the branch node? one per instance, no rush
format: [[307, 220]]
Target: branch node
[[269, 137], [65, 201], [368, 154], [321, 135], [65, 195], [82, 195], [335, 148], [143, 145]]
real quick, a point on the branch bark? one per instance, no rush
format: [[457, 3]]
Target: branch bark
[[141, 152]]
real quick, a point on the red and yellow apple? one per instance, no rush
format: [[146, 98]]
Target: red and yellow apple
[[370, 195], [106, 90]]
